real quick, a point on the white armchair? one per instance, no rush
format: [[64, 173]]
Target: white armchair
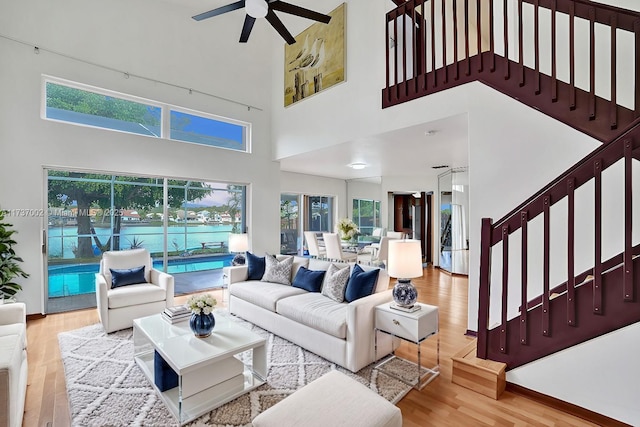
[[13, 363], [118, 306]]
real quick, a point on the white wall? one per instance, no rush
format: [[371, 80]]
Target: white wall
[[122, 35]]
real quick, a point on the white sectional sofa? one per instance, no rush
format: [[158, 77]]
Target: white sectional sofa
[[340, 332], [13, 363]]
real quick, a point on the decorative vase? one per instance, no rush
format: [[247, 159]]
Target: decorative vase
[[202, 324], [404, 293]]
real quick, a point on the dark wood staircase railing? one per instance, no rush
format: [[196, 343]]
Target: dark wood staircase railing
[[434, 45], [599, 300]]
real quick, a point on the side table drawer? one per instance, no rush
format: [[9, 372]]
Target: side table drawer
[[408, 327]]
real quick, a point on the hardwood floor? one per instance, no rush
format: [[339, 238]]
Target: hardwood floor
[[441, 403]]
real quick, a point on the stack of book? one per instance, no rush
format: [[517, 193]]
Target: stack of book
[[176, 313]]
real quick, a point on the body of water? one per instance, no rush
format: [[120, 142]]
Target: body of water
[[64, 239], [75, 279]]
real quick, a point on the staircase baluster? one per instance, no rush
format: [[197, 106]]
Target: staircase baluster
[[425, 49], [456, 68], [505, 24], [536, 39], [505, 289], [492, 37], [479, 35], [572, 56], [395, 55], [613, 105], [571, 275], [628, 292], [592, 64], [554, 59], [597, 266], [444, 41], [636, 106], [417, 36], [404, 49], [466, 37], [520, 43], [546, 324], [433, 42], [524, 309]]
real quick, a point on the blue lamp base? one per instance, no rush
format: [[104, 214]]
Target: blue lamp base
[[405, 294]]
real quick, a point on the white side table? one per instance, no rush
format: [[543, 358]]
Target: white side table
[[413, 327]]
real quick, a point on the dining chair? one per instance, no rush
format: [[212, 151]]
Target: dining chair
[[312, 245], [334, 248]]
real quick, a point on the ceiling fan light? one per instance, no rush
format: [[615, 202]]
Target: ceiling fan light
[[256, 8]]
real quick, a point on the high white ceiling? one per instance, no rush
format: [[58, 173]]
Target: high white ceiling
[[404, 152]]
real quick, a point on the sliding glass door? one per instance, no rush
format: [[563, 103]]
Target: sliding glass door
[[184, 225]]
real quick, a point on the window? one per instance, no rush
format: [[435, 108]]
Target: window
[[366, 214], [69, 104], [207, 131], [89, 106]]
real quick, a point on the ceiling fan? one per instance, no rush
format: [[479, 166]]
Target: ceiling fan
[[265, 8]]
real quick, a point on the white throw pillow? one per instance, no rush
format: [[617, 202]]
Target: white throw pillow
[[335, 282], [277, 271]]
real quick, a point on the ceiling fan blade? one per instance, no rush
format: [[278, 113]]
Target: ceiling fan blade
[[219, 10], [279, 26], [246, 28], [299, 11]]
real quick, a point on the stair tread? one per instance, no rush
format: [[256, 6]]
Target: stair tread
[[467, 356]]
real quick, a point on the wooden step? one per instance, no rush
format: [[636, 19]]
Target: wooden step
[[483, 376]]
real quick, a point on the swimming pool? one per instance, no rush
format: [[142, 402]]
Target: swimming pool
[[76, 279]]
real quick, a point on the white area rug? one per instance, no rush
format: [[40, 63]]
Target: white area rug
[[106, 387]]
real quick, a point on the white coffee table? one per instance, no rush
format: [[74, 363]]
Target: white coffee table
[[208, 373]]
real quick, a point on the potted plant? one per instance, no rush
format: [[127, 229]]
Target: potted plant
[[9, 267]]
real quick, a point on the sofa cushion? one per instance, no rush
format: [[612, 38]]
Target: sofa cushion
[[256, 265], [316, 311], [309, 280], [277, 271], [263, 294], [128, 276], [335, 282], [142, 293], [318, 264], [361, 283], [17, 329]]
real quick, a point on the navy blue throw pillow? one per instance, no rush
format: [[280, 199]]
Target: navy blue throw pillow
[[309, 280], [256, 266], [129, 276], [361, 283]]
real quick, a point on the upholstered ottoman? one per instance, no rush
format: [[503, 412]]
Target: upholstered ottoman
[[332, 400]]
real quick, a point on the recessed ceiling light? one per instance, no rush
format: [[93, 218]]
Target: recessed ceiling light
[[357, 166], [430, 132]]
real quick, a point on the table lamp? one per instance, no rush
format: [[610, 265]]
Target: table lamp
[[405, 263], [238, 243]]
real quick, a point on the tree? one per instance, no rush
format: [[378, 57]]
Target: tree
[[93, 190], [236, 197]]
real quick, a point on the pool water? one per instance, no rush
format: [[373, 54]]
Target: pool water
[[76, 279]]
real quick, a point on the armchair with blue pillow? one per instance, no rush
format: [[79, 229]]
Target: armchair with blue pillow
[[128, 287]]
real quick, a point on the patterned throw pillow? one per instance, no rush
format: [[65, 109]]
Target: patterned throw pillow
[[335, 282], [277, 271]]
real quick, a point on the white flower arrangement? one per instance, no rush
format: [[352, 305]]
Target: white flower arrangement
[[347, 229], [201, 304]]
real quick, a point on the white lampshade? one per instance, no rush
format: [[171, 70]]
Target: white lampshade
[[405, 259], [256, 8], [238, 242]]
